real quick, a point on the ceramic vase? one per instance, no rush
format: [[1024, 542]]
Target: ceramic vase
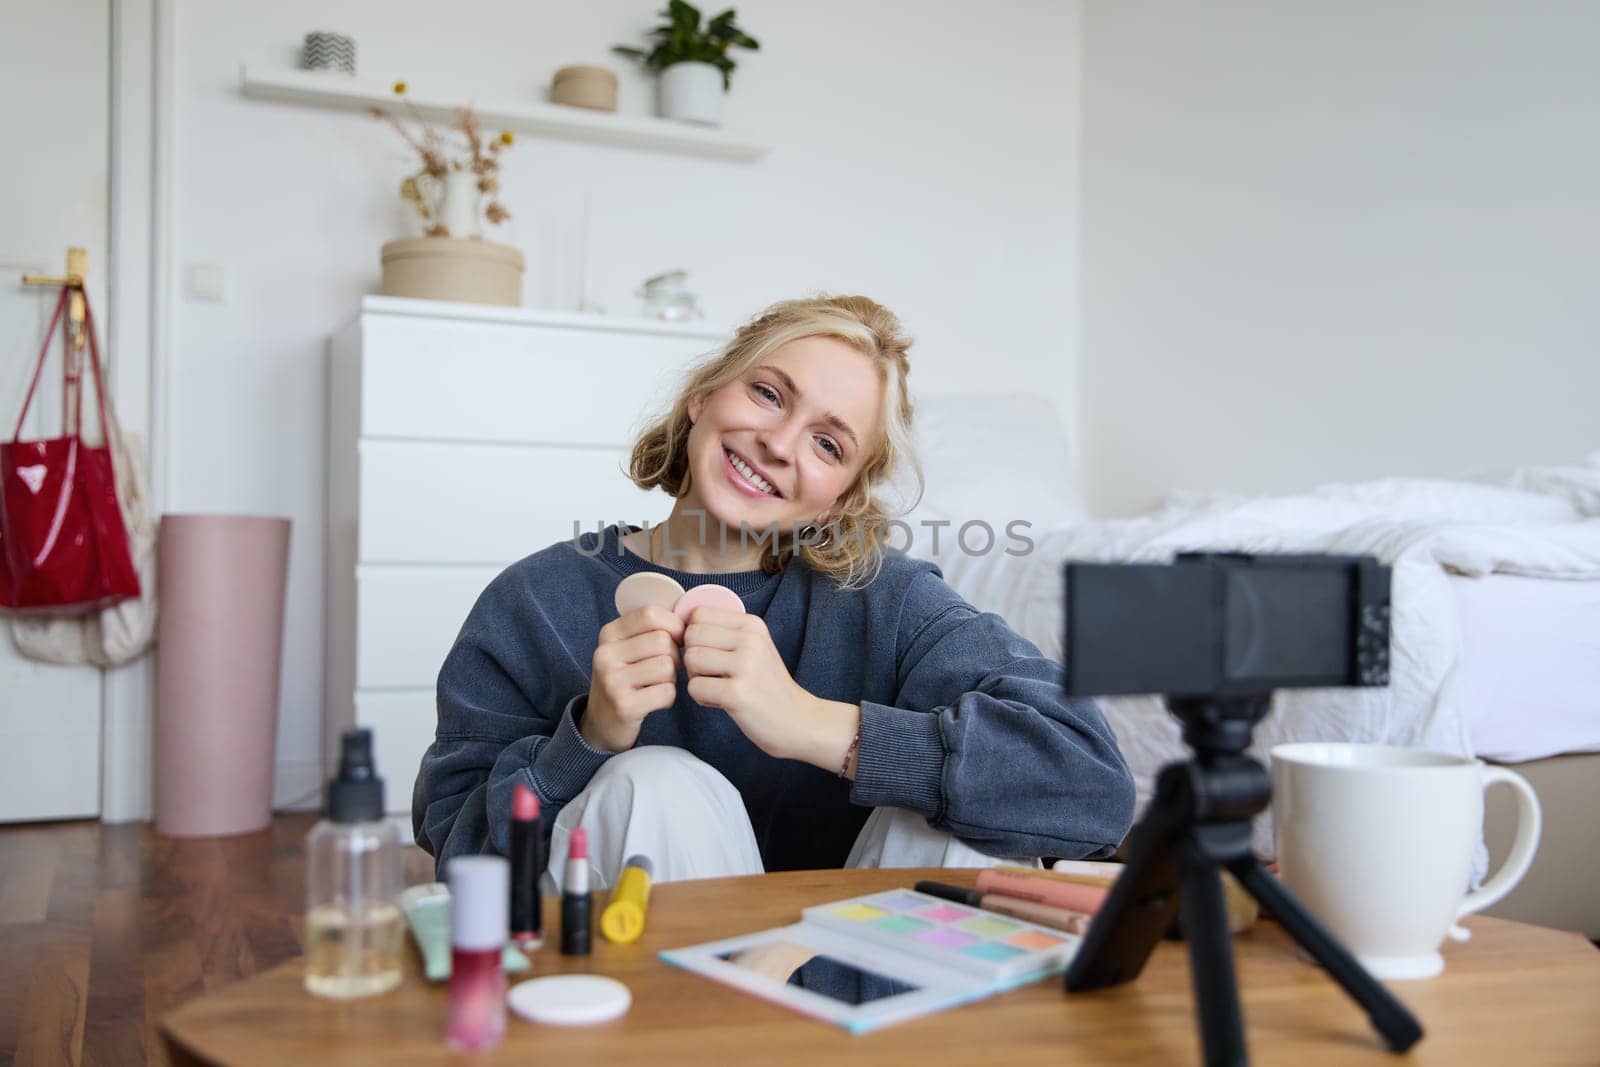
[[459, 204], [691, 92]]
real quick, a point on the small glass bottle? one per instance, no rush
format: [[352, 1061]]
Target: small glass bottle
[[480, 898], [355, 932]]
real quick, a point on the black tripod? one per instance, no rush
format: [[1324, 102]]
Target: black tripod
[[1198, 822]]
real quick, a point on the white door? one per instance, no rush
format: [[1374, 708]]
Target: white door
[[55, 124]]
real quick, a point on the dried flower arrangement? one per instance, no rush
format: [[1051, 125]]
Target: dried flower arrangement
[[425, 189]]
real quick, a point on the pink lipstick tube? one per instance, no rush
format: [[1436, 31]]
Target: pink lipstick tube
[[1042, 889], [577, 919], [527, 864], [479, 898]]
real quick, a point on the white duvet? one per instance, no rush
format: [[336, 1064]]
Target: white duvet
[[1540, 522]]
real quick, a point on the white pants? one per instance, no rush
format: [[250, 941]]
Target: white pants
[[664, 803]]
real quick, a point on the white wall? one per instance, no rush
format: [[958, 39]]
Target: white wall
[[1336, 241], [925, 153]]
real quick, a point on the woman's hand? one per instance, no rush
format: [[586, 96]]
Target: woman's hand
[[634, 672], [733, 665]]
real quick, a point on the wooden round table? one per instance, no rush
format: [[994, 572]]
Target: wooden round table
[[1514, 994]]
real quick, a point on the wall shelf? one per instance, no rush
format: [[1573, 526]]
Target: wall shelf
[[333, 89], [443, 310]]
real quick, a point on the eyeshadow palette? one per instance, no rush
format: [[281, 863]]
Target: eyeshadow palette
[[953, 935], [883, 958]]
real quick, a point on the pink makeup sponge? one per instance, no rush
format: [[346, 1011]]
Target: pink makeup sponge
[[647, 587], [708, 596]]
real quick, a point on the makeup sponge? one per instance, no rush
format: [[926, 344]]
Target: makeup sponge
[[570, 999], [647, 587], [707, 596]]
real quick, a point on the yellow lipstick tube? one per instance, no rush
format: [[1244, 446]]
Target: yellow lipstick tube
[[623, 919]]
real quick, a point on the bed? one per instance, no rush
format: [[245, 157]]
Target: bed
[[1495, 633]]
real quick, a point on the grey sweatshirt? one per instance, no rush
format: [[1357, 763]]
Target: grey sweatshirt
[[962, 720]]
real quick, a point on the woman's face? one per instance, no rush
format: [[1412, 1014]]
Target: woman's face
[[781, 443]]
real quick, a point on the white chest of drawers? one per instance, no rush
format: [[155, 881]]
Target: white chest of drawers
[[460, 439]]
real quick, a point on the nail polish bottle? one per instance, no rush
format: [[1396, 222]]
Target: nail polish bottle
[[480, 891]]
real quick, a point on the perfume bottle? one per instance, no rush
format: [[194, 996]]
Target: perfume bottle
[[355, 931]]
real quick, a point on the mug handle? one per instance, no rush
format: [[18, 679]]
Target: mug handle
[[1530, 821]]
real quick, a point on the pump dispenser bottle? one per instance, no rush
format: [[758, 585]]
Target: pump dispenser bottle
[[354, 928]]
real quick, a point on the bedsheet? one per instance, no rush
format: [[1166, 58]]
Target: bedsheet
[[1426, 530], [1530, 665]]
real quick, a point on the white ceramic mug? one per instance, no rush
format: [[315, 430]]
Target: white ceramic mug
[[1378, 842]]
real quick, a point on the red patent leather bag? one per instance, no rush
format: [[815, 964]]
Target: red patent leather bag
[[63, 546]]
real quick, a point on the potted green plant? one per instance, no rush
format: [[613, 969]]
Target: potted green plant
[[692, 62]]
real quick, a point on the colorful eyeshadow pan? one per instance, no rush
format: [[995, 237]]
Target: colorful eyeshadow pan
[[899, 901], [990, 950], [944, 913], [909, 926], [946, 938], [1032, 940], [989, 927]]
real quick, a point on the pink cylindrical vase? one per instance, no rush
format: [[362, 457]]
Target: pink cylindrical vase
[[220, 590]]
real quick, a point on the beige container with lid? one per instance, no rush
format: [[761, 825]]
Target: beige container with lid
[[448, 268], [583, 85]]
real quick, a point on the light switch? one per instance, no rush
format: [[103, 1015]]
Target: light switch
[[204, 282]]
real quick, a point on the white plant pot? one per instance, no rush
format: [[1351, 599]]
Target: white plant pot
[[691, 92]]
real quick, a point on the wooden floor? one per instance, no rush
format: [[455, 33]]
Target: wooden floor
[[103, 929]]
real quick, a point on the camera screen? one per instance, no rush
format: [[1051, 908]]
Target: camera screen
[[1287, 623], [1217, 623]]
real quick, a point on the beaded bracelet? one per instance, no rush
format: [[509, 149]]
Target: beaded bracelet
[[855, 743]]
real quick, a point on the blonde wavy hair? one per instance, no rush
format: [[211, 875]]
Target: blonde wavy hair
[[852, 546]]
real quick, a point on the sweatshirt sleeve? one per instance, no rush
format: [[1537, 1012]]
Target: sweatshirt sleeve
[[982, 741], [506, 715]]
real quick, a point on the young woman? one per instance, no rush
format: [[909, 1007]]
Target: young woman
[[856, 683]]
